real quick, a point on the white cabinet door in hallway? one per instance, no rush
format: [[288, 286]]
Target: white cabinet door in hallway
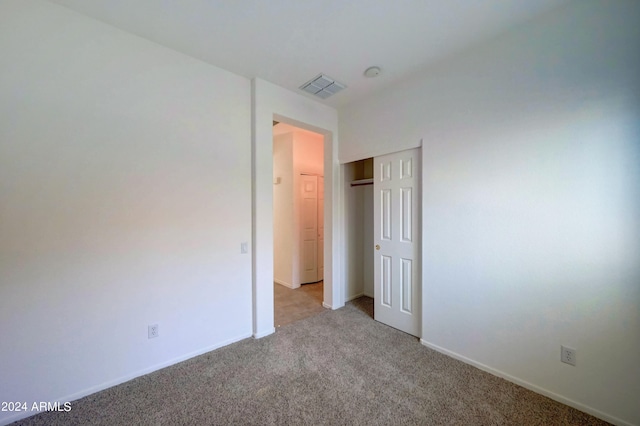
[[396, 186], [312, 228]]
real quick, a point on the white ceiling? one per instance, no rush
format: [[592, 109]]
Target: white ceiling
[[288, 42]]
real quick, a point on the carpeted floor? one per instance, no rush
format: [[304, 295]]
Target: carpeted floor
[[338, 367]]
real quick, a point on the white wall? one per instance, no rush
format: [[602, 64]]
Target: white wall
[[125, 192], [531, 206], [283, 217], [308, 153]]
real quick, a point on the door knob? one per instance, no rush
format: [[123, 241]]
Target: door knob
[[377, 247]]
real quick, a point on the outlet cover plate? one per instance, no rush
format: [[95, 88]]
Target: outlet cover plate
[[568, 355], [154, 331]]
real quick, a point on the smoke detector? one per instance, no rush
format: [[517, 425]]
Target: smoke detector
[[322, 86], [372, 72]]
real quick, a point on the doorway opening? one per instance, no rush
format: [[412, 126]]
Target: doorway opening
[[359, 234], [298, 223]]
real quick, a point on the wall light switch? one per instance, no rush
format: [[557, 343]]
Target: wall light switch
[[244, 248]]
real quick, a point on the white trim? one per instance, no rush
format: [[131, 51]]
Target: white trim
[[527, 385], [283, 283], [324, 305], [350, 298], [265, 333], [128, 377]]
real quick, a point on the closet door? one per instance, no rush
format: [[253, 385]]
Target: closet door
[[396, 186]]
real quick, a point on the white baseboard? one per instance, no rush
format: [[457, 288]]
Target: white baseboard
[[284, 283], [327, 306], [264, 333], [354, 297], [566, 401], [111, 383]]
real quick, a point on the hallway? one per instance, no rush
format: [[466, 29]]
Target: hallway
[[292, 305], [306, 301]]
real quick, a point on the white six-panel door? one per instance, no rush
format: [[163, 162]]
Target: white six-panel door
[[308, 229], [320, 228], [397, 240]]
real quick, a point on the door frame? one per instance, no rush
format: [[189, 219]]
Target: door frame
[[271, 102], [422, 217]]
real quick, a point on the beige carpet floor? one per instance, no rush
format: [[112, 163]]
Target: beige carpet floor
[[335, 368]]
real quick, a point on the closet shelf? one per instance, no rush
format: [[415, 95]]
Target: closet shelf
[[360, 182]]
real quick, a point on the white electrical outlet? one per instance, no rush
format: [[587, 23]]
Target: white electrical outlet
[[568, 355], [154, 331]]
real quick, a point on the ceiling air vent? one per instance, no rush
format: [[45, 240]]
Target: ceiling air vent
[[322, 86]]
